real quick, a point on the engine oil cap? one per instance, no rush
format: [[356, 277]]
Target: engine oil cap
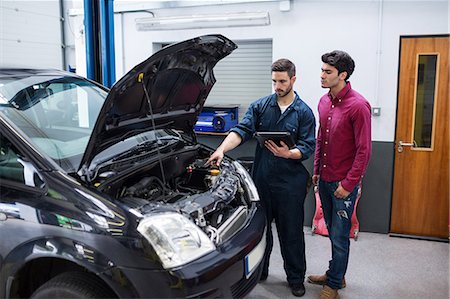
[[214, 171]]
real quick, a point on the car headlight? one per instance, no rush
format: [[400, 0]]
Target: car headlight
[[248, 182], [176, 240]]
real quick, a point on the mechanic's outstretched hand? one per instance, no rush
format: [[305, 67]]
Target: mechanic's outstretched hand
[[216, 158], [278, 151]]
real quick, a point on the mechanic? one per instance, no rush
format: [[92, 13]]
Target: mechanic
[[278, 172]]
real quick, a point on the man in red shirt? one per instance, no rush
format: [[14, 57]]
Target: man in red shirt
[[342, 154]]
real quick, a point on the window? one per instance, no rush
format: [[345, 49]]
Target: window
[[56, 113], [425, 94]]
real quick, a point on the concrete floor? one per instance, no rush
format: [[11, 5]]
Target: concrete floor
[[380, 267]]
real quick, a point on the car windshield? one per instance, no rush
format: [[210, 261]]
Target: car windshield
[[57, 113]]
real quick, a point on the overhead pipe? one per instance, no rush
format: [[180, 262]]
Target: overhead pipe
[[63, 35], [379, 52]]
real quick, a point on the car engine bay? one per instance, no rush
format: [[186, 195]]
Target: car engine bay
[[213, 198]]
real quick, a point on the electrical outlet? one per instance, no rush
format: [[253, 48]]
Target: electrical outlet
[[376, 111]]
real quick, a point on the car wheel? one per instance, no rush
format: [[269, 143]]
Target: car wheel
[[73, 285]]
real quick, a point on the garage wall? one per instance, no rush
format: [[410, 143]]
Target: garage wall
[[369, 30], [30, 34]]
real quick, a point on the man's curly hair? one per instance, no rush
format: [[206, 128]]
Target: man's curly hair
[[341, 61]]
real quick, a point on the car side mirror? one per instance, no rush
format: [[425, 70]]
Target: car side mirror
[[31, 175]]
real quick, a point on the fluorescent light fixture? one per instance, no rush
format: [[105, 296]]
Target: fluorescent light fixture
[[204, 21]]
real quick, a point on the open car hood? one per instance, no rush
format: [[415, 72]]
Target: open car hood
[[167, 90]]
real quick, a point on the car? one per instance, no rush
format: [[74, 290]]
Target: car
[[108, 194]]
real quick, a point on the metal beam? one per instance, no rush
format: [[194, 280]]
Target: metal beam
[[107, 42], [99, 33], [91, 28]]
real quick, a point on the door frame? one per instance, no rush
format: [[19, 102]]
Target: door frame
[[401, 37]]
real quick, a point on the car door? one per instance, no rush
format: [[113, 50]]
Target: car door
[[21, 186]]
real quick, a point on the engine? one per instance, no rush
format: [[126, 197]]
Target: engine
[[212, 198]]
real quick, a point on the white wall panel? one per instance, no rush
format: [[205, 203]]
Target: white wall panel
[[30, 33], [369, 30]]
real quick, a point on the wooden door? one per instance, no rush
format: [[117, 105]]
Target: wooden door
[[420, 199]]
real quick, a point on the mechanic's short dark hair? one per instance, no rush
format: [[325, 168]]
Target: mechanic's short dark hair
[[284, 65], [341, 61]]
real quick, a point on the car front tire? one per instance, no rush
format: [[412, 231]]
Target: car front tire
[[72, 285]]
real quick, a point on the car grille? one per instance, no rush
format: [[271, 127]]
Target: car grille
[[233, 224], [244, 286]]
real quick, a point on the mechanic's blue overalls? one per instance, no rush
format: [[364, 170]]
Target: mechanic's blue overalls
[[282, 182]]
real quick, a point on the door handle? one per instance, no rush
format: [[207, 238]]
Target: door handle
[[402, 144]]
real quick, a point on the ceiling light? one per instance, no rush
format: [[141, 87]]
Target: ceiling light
[[204, 21]]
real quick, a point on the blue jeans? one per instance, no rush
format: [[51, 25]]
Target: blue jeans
[[338, 218]]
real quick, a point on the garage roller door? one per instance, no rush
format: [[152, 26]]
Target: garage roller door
[[30, 34], [243, 76]]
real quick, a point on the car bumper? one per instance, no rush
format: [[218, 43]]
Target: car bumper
[[232, 271]]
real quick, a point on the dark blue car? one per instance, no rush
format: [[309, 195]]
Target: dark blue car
[[106, 194]]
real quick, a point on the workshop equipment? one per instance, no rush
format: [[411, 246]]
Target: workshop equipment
[[319, 226], [218, 118]]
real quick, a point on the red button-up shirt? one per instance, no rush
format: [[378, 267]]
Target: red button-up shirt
[[344, 142]]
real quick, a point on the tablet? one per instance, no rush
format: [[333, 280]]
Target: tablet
[[276, 137]]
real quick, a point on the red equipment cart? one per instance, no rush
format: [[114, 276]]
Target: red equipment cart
[[319, 226]]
